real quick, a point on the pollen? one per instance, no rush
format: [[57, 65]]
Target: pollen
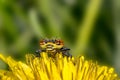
[[58, 68]]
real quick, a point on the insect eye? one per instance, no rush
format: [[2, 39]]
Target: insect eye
[[57, 42], [61, 42], [42, 42]]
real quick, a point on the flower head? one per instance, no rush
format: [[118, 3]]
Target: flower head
[[57, 68]]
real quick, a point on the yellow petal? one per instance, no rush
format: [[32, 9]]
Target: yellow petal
[[55, 68]]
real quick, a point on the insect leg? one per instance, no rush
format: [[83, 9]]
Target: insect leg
[[65, 49], [66, 53], [37, 53]]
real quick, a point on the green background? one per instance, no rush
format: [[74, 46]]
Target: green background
[[87, 27]]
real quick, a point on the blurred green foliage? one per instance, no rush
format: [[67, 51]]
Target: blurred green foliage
[[86, 26]]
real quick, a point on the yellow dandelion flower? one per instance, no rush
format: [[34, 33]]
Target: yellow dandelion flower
[[57, 68]]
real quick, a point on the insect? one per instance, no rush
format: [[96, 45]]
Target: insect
[[52, 47]]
